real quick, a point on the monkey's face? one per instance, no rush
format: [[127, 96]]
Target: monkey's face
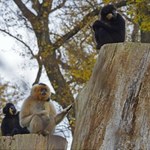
[[41, 92], [9, 109], [108, 12]]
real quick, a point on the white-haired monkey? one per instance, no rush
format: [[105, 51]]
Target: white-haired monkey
[[38, 114]]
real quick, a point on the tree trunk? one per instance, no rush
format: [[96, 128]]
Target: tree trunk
[[145, 36], [113, 110], [32, 142], [135, 33]]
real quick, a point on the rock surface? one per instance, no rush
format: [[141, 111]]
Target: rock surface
[[113, 109], [33, 142]]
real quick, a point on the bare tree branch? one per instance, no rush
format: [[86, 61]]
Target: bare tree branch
[[39, 71], [35, 5], [19, 41], [59, 6], [26, 12], [127, 18], [120, 4], [81, 24], [76, 29], [37, 57], [47, 4], [90, 3]]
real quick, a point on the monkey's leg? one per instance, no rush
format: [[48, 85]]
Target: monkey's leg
[[36, 124], [53, 121], [50, 126]]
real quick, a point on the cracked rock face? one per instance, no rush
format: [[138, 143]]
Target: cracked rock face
[[113, 109]]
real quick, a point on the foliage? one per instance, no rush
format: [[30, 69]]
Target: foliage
[[80, 59], [142, 14], [80, 67], [138, 11]]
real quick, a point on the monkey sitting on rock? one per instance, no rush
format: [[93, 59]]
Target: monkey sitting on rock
[[110, 28], [38, 113], [10, 124]]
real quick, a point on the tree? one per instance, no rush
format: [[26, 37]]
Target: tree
[[62, 49], [48, 51], [144, 19], [141, 16]]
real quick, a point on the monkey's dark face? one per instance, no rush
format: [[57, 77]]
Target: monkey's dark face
[[108, 12], [41, 92], [9, 109]]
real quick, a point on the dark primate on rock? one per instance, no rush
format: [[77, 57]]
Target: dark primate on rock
[[10, 123], [110, 28]]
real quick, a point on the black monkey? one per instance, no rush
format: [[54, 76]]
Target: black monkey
[[110, 28], [10, 123]]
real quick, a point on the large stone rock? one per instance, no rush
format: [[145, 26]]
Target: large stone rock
[[113, 109], [33, 142]]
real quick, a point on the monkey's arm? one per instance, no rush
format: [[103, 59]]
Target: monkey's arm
[[117, 26], [43, 112], [5, 128], [50, 108], [107, 26], [25, 120], [59, 117], [25, 115], [96, 25]]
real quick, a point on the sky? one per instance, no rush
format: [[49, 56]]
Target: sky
[[16, 67]]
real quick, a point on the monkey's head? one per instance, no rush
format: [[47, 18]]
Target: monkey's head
[[9, 109], [108, 12], [41, 92]]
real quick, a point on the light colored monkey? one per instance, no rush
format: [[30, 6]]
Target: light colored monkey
[[38, 113]]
